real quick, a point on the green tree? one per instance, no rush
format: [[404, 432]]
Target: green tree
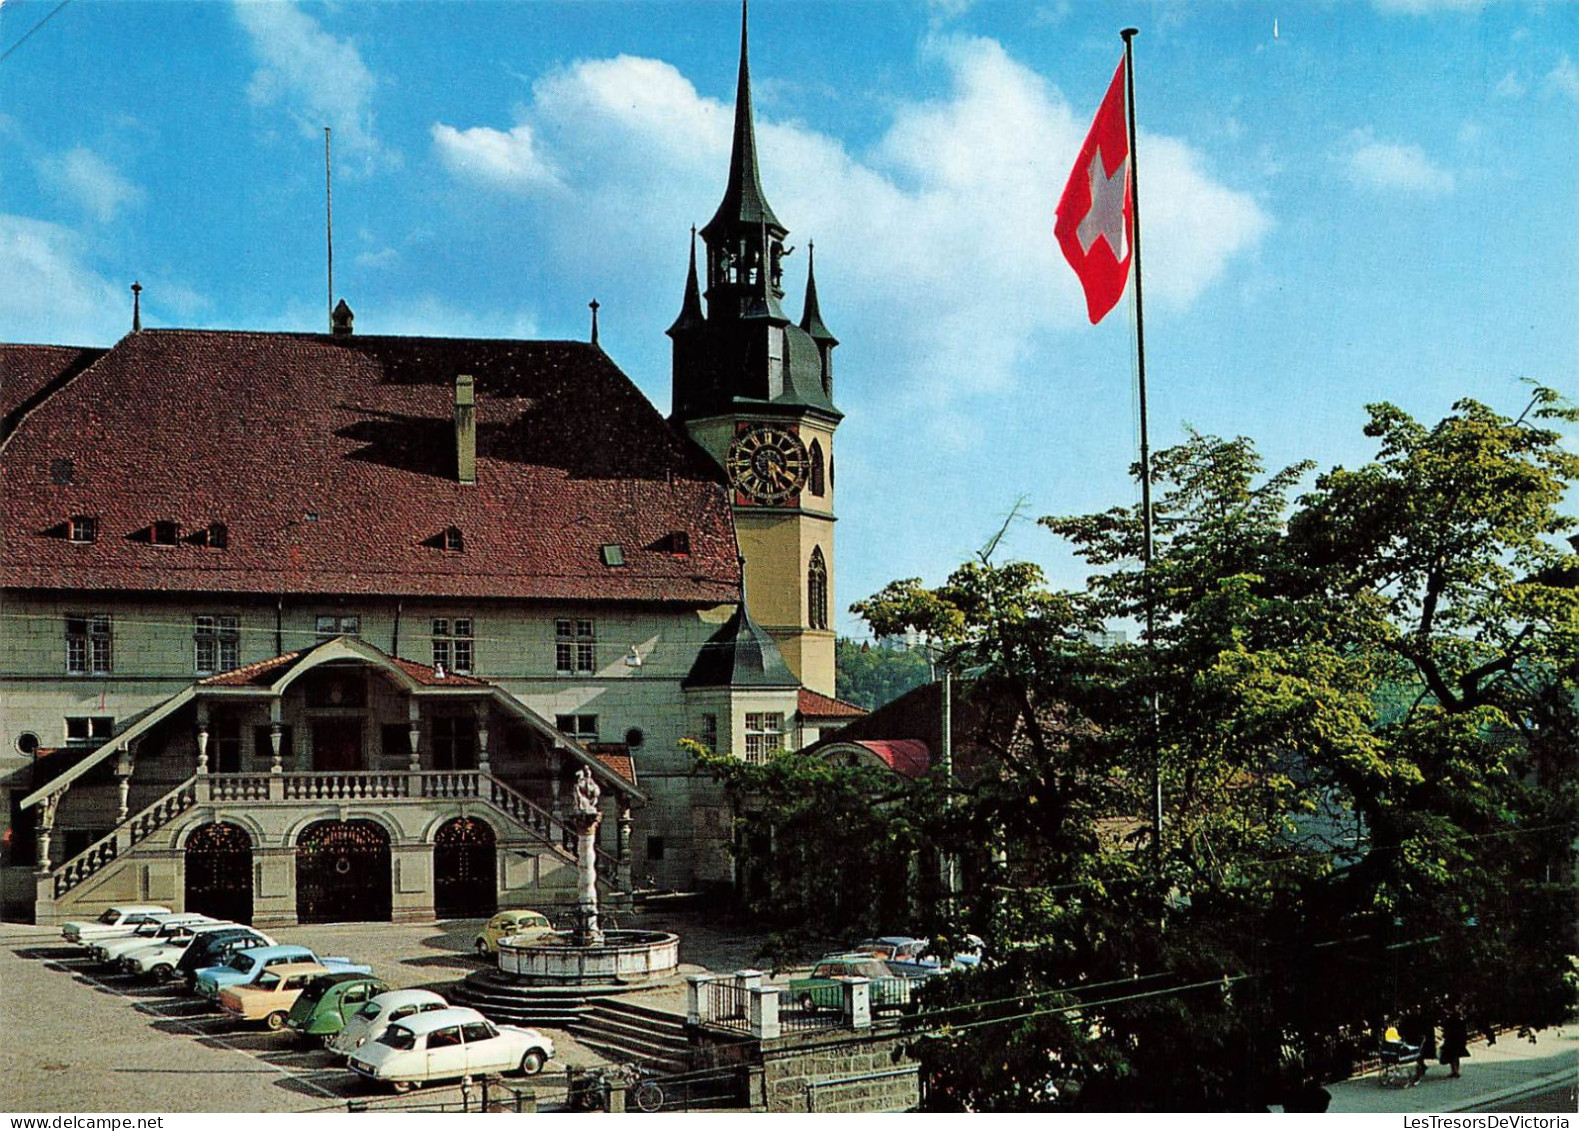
[[870, 676], [1366, 749]]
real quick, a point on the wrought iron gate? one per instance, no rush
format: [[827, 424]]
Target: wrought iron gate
[[464, 870], [342, 873], [219, 872]]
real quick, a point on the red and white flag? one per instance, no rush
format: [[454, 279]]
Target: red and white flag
[[1096, 213]]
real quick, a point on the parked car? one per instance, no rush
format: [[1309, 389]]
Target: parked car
[[217, 949], [246, 966], [270, 996], [819, 990], [329, 1002], [906, 957], [122, 918], [511, 924], [447, 1044], [374, 1017], [158, 960], [108, 951]]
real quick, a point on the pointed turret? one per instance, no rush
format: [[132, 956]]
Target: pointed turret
[[691, 316], [811, 314], [744, 202]]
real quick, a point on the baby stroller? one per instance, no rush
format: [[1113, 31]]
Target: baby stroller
[[1399, 1060]]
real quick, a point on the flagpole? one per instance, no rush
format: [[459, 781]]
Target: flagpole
[[1128, 35]]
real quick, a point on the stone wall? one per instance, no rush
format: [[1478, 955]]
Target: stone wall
[[835, 1070]]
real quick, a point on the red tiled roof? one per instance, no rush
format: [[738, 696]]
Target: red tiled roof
[[258, 674], [614, 756], [331, 461], [907, 756], [28, 374], [429, 677], [815, 706]]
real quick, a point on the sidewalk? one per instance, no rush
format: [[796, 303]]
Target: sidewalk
[[1513, 1067]]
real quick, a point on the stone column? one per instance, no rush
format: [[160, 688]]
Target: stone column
[[123, 784], [623, 843], [46, 825], [414, 732], [556, 765], [584, 820], [202, 738], [857, 1003], [693, 997], [276, 743], [764, 1013]]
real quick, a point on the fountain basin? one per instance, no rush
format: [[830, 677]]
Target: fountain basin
[[624, 957]]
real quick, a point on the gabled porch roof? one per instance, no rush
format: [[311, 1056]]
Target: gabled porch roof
[[269, 679]]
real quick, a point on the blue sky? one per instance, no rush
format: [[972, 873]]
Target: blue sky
[[1375, 202]]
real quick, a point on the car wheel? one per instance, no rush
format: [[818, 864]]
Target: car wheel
[[401, 1087], [808, 1003], [532, 1063], [482, 949], [163, 973], [275, 1021]]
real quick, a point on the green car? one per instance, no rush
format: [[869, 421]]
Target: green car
[[329, 1001], [820, 991]]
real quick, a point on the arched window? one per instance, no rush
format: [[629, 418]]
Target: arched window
[[817, 590], [818, 485]]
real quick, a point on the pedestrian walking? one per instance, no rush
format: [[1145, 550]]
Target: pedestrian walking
[[1455, 1040], [1419, 1030]]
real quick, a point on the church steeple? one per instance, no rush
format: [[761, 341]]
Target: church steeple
[[811, 321], [744, 202], [691, 317]]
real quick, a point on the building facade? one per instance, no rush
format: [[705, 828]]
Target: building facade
[[299, 626]]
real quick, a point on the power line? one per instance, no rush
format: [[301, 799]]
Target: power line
[[28, 34]]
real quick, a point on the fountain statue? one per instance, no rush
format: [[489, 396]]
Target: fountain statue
[[584, 819]]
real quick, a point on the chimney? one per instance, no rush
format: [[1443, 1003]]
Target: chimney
[[465, 429], [341, 320]]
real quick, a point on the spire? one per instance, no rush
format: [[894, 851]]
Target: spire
[[137, 307], [744, 201], [593, 306], [811, 316], [740, 654], [691, 309]]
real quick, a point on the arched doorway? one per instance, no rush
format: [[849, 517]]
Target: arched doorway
[[342, 873], [464, 870], [219, 872]]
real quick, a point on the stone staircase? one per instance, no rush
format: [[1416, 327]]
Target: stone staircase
[[597, 1016]]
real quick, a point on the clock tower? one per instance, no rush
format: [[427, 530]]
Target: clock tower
[[755, 390]]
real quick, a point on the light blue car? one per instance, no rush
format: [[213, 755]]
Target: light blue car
[[245, 966]]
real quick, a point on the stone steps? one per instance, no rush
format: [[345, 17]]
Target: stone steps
[[624, 1030]]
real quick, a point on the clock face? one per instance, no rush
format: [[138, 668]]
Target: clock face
[[767, 464]]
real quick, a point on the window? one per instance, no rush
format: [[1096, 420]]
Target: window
[[328, 627], [817, 590], [575, 647], [218, 644], [478, 1031], [397, 742], [764, 736], [90, 644], [818, 486], [455, 742], [88, 730], [82, 528], [613, 554], [453, 540], [164, 533], [452, 643], [655, 848], [224, 745], [217, 535], [709, 733], [582, 728], [444, 1038]]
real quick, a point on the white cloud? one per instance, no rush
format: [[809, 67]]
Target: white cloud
[[503, 159], [1564, 78], [1509, 86], [51, 294], [90, 182], [321, 80], [1393, 166], [1428, 7], [938, 240]]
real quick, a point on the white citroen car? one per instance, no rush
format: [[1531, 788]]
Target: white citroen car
[[446, 1045], [379, 1013]]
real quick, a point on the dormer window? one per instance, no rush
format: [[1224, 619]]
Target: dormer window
[[679, 542], [217, 535], [453, 541], [164, 533], [82, 528], [613, 554]]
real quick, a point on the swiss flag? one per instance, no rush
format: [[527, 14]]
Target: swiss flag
[[1096, 212]]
